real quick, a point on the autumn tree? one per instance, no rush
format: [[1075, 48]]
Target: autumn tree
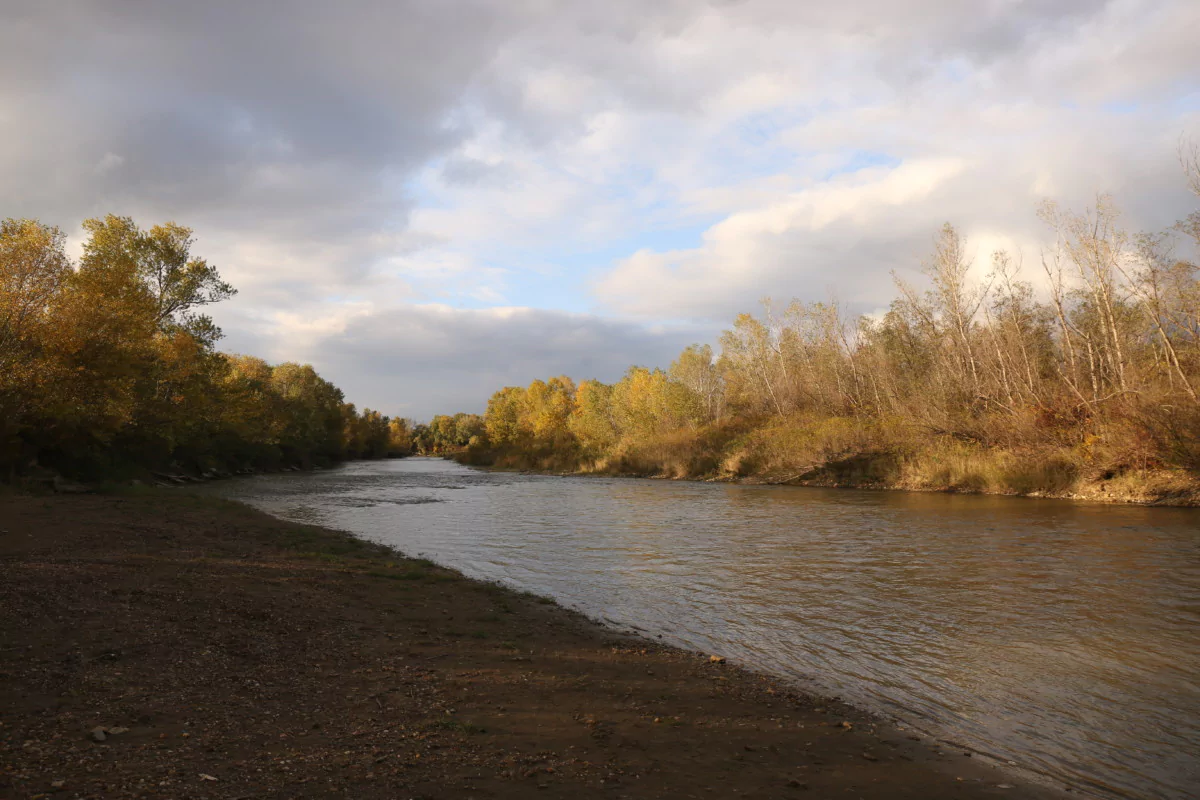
[[696, 370]]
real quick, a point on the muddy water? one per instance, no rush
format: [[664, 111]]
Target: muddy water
[[1062, 637]]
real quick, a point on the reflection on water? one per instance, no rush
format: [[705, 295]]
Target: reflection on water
[[1060, 636]]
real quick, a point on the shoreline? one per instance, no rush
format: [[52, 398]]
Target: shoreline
[[1187, 498], [228, 653], [1183, 496]]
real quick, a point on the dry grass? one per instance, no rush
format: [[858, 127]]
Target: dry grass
[[957, 466], [1117, 463]]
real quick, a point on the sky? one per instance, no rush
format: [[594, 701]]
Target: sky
[[430, 200]]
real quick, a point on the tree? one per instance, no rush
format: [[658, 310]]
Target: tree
[[545, 407], [160, 261], [751, 353], [697, 371], [1092, 246], [591, 420], [502, 420], [400, 437]]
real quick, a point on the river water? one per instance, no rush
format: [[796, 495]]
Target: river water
[[1064, 637]]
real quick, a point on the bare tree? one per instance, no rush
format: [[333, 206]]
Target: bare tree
[[1093, 244]]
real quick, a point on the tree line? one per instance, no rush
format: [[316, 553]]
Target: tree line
[[975, 379], [447, 433], [109, 365]]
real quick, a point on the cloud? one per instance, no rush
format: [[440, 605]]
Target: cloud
[[346, 165], [969, 119], [846, 234], [794, 243], [425, 359], [290, 132]]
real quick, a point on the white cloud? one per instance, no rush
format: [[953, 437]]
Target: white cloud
[[349, 166], [796, 242]]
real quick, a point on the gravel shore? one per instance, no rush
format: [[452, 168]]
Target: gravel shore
[[165, 645]]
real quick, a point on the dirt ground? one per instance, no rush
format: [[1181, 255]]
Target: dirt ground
[[226, 654]]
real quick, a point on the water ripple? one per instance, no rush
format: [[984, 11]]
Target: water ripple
[[1061, 636]]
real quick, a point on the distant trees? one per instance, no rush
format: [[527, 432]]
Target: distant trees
[[556, 415], [1100, 366], [447, 433], [400, 437], [111, 364]]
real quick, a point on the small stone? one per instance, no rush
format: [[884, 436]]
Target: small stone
[[205, 777], [97, 734], [1004, 786], [58, 784], [716, 659], [117, 731]]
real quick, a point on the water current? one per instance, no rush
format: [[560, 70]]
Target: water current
[[1063, 637]]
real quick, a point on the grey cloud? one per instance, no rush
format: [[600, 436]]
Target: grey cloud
[[289, 134], [465, 171], [233, 115], [287, 129], [423, 360], [213, 106]]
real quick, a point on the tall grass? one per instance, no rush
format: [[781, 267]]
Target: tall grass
[[888, 453]]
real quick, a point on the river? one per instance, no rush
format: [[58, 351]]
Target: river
[[1063, 637]]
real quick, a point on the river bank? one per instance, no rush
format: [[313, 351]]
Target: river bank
[[963, 472], [158, 644]]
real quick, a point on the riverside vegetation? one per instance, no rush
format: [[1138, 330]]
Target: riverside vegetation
[[1085, 389], [108, 367]]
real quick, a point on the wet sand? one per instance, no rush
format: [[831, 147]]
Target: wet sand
[[164, 645]]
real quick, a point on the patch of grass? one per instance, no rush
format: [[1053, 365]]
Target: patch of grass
[[1050, 474], [972, 468]]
